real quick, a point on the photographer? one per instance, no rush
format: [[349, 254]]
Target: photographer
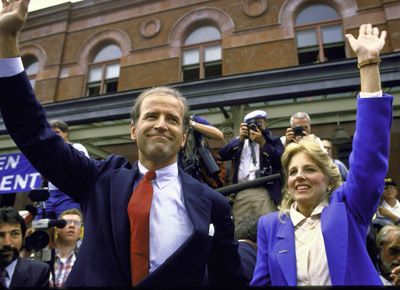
[[65, 249], [300, 126], [197, 159], [254, 153]]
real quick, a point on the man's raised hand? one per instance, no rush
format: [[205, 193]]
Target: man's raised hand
[[12, 19], [13, 16]]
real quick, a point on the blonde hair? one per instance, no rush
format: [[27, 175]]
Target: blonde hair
[[312, 148]]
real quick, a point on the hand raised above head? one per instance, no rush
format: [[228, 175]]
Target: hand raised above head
[[13, 16], [369, 44]]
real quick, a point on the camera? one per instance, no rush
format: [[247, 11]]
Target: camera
[[253, 125], [39, 240], [265, 171], [298, 130]]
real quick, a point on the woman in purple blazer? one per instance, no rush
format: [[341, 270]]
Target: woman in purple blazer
[[318, 237]]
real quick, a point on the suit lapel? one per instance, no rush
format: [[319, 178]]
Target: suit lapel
[[20, 275], [285, 252], [122, 182], [334, 225], [197, 207]]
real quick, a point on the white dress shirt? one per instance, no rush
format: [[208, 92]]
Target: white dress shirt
[[170, 225], [247, 169], [10, 66], [311, 260]]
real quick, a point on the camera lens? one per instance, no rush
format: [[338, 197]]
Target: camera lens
[[253, 127], [298, 131]]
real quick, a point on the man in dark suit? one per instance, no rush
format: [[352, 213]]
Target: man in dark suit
[[190, 224], [15, 271]]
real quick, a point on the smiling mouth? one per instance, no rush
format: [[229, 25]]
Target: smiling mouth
[[161, 137], [302, 187]]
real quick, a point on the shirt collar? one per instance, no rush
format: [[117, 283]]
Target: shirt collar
[[297, 217], [164, 175], [11, 268], [71, 253], [385, 204]]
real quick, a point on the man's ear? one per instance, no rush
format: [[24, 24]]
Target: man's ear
[[133, 132], [184, 139]]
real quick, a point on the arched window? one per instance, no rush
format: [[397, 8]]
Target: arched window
[[319, 34], [201, 54], [31, 65], [103, 73]]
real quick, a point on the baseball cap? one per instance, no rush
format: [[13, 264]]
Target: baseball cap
[[389, 181]]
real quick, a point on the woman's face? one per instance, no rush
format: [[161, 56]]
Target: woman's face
[[307, 184]]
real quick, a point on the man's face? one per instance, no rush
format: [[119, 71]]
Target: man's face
[[390, 253], [302, 122], [72, 231], [390, 192], [328, 146], [61, 134], [159, 130], [10, 242]]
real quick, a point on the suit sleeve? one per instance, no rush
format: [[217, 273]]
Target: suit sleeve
[[261, 275], [27, 125], [43, 277]]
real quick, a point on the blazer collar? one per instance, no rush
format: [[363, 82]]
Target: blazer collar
[[19, 276], [122, 182], [285, 250], [197, 205]]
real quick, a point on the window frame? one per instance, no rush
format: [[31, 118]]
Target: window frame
[[103, 65], [201, 64], [317, 28]]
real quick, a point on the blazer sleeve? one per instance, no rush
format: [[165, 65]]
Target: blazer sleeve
[[229, 151], [369, 158]]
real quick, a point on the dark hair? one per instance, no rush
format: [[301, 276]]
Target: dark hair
[[59, 125], [10, 215]]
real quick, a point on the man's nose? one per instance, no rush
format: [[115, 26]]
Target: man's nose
[[6, 240], [161, 122]]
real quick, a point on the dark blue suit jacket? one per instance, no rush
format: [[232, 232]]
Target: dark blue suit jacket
[[270, 155], [103, 189], [345, 221], [30, 273]]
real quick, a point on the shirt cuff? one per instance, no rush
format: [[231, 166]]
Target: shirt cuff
[[10, 66], [371, 95]]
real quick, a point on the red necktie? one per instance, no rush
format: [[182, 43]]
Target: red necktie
[[139, 217]]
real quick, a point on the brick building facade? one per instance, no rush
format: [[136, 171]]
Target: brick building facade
[[82, 54]]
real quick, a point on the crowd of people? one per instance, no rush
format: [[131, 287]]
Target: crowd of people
[[159, 221]]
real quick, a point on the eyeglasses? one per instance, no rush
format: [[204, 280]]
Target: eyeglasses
[[74, 222]]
